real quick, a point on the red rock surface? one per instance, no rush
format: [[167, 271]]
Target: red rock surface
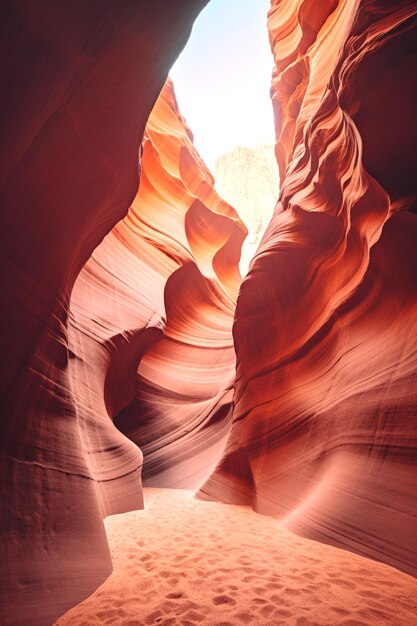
[[324, 429], [151, 316], [117, 322], [80, 80]]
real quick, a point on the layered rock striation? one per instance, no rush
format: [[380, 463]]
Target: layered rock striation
[[324, 429], [80, 81], [152, 313], [118, 357]]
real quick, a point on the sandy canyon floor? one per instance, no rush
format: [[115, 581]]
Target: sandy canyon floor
[[183, 562]]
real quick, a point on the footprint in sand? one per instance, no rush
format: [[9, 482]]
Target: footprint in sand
[[246, 618], [266, 611], [175, 595], [292, 592], [223, 599]]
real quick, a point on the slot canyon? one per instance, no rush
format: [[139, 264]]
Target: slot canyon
[[208, 373]]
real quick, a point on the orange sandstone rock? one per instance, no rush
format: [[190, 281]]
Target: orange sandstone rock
[[324, 429]]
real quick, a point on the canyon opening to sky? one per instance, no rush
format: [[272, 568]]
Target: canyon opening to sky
[[209, 313], [233, 126]]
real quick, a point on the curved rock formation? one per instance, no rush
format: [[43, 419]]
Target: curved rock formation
[[152, 315], [324, 429], [118, 303], [81, 81]]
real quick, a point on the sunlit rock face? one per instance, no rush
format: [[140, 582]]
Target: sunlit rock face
[[325, 399], [80, 81], [117, 303], [152, 313], [248, 179]]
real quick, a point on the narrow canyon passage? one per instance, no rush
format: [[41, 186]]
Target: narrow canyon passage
[[223, 88], [171, 267], [209, 391]]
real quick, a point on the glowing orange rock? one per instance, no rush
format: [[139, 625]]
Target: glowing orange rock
[[152, 315]]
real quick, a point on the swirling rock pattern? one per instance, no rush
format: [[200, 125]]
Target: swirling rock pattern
[[324, 429], [152, 315], [117, 304], [80, 81]]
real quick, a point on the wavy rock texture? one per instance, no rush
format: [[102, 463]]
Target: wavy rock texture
[[324, 428], [117, 338], [81, 81], [152, 315]]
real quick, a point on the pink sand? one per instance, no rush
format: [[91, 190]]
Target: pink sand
[[184, 562]]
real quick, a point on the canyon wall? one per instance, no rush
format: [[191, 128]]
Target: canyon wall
[[151, 317], [118, 358], [324, 421], [80, 81]]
